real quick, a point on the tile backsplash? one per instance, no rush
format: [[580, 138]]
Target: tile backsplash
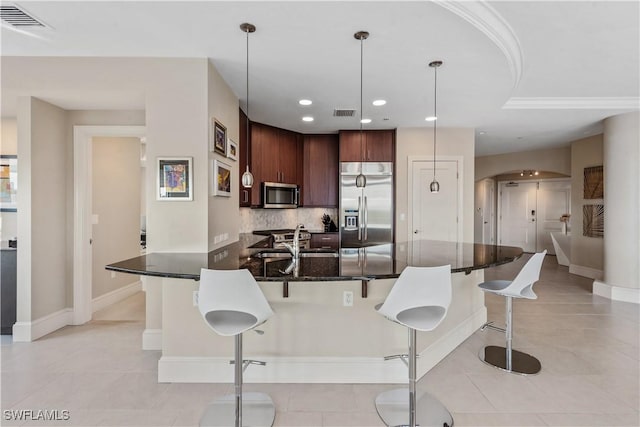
[[267, 219]]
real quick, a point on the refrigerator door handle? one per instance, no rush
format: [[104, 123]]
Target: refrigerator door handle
[[359, 218], [366, 218]]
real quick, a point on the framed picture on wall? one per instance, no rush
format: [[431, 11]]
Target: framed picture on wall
[[175, 178], [8, 183], [232, 149], [220, 179], [218, 138]]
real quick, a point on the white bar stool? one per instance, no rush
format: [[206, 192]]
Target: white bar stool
[[231, 303], [419, 300], [506, 358]]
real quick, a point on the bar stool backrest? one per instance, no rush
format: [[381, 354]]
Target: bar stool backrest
[[231, 301], [420, 298], [522, 285]]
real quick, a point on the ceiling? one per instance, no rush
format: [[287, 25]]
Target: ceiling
[[525, 74]]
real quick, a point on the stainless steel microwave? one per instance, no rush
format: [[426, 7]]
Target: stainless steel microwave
[[278, 195]]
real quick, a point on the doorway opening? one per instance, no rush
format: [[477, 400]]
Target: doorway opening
[[86, 219]]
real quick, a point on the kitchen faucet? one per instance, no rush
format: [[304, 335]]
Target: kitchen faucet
[[295, 247]]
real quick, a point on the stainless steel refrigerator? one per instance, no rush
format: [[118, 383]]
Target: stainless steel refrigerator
[[366, 214]]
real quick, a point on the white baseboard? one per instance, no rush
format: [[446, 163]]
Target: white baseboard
[[316, 369], [31, 331], [115, 296], [589, 272], [616, 293], [152, 339]]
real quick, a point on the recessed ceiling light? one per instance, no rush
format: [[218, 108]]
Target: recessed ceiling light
[[379, 102], [431, 118], [305, 102], [365, 121], [307, 119]]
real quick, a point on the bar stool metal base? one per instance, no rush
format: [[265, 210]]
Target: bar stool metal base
[[393, 408], [521, 363], [258, 410]]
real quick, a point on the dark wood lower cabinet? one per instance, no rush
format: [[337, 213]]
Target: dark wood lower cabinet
[[325, 241]]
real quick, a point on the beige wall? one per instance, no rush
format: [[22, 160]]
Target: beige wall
[[585, 251], [224, 215], [9, 136], [8, 146], [552, 160], [116, 202], [419, 142], [174, 95], [173, 92], [42, 209]]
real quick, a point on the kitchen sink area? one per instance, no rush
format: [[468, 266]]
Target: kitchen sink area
[[304, 253]]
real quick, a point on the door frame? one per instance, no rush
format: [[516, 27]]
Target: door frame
[[411, 160], [82, 210]]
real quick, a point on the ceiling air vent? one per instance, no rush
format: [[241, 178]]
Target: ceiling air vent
[[18, 18], [341, 112]]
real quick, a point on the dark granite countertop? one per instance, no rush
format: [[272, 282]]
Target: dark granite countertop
[[373, 262]]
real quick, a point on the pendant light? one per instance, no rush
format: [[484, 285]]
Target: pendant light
[[361, 180], [435, 185], [247, 177]]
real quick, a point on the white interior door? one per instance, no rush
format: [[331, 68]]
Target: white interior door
[[518, 211], [554, 200], [434, 215], [488, 212]]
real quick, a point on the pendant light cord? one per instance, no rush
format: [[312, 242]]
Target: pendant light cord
[[435, 122], [361, 66], [247, 148]]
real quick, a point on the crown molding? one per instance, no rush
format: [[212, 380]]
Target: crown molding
[[486, 19], [573, 103]]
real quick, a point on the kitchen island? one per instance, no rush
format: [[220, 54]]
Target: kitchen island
[[314, 336]]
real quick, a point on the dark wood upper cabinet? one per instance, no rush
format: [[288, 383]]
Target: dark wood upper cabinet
[[245, 193], [321, 172], [373, 146], [275, 157]]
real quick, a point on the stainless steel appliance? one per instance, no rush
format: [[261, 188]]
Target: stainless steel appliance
[[279, 239], [279, 195], [285, 235], [366, 214]]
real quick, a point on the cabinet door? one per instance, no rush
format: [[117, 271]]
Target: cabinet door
[[325, 241], [320, 171], [380, 145], [245, 193], [264, 155], [350, 146], [287, 157]]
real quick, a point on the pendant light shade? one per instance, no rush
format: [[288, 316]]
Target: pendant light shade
[[247, 176], [434, 187], [361, 179]]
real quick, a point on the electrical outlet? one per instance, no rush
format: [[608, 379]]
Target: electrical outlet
[[216, 239], [113, 274], [347, 299], [195, 298]]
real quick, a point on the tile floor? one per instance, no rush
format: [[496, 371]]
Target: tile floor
[[588, 347]]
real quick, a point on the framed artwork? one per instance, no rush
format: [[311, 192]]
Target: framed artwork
[[232, 149], [218, 138], [221, 179], [8, 183], [593, 220], [593, 183], [175, 178]]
